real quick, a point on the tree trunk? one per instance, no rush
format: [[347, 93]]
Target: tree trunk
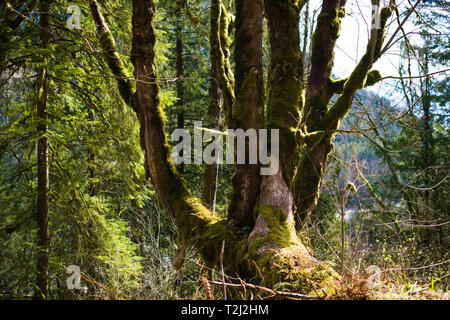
[[273, 242], [248, 108], [210, 175], [319, 121], [318, 94], [427, 133], [259, 233], [42, 164], [180, 88]]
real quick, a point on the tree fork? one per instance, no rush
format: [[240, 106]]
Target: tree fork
[[273, 245], [275, 253], [197, 226]]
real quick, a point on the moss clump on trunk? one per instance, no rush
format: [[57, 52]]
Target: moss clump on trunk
[[126, 85], [276, 253], [285, 78]]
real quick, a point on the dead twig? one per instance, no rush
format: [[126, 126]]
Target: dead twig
[[272, 292]]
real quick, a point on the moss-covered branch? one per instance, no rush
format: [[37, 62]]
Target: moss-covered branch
[[197, 226], [286, 92], [308, 141], [248, 107], [324, 38], [311, 167], [225, 74], [183, 5], [314, 141], [359, 78], [125, 83], [337, 86]]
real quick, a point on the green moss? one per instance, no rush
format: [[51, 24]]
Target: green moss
[[183, 4], [286, 92], [337, 86], [126, 85], [281, 231], [309, 140], [283, 261], [307, 184], [350, 187], [373, 77], [220, 52], [296, 272], [332, 22], [360, 76], [240, 110], [281, 234]]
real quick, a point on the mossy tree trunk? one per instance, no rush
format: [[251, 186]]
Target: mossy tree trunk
[[273, 242], [319, 122], [260, 231], [318, 94], [248, 107], [42, 161], [180, 87], [221, 88], [214, 107]]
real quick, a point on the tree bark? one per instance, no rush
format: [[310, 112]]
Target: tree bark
[[320, 122], [197, 225], [259, 233], [272, 251], [318, 94], [42, 163], [214, 107], [248, 108], [180, 87], [273, 242]]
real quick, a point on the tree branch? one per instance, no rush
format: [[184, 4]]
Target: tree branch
[[359, 77], [322, 58], [220, 56], [125, 83], [337, 86]]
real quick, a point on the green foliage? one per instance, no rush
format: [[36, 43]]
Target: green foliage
[[89, 129]]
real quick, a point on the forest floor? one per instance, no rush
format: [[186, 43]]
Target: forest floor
[[356, 289]]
